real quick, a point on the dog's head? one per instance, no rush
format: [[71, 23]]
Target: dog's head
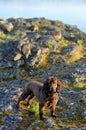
[[52, 85]]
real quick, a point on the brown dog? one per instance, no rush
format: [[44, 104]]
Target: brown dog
[[47, 93]]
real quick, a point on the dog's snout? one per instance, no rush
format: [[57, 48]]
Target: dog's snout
[[52, 89]]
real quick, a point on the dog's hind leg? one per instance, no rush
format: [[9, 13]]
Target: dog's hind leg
[[41, 109], [21, 98], [29, 98]]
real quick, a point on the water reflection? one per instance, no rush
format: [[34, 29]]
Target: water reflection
[[71, 12]]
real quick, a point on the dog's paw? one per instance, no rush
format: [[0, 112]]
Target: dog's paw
[[54, 116], [42, 118]]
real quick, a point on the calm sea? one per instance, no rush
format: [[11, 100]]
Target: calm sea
[[69, 11]]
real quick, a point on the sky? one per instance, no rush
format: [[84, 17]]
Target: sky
[[69, 11]]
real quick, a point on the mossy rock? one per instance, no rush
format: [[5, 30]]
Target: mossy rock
[[79, 85]]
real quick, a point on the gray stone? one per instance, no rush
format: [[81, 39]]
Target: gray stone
[[40, 55], [6, 26], [83, 114]]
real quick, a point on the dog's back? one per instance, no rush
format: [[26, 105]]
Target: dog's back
[[35, 87]]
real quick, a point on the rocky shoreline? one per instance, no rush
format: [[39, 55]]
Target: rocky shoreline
[[33, 49]]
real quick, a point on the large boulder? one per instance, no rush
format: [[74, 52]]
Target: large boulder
[[25, 47], [39, 57], [6, 26], [73, 52]]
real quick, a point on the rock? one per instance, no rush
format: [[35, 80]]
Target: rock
[[35, 49], [6, 26], [12, 20], [72, 33], [1, 32], [83, 95], [10, 121], [8, 108], [17, 57], [74, 51], [51, 124], [19, 23], [7, 74], [33, 28], [40, 57], [72, 100], [83, 114], [25, 47], [83, 92], [69, 48]]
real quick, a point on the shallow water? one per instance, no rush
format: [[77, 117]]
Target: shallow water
[[70, 12]]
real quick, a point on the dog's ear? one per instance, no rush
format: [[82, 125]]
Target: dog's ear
[[47, 81], [45, 84], [59, 86]]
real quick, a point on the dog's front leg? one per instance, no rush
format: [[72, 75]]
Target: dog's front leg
[[29, 98], [53, 111], [41, 108]]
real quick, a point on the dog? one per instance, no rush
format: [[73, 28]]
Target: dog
[[47, 93]]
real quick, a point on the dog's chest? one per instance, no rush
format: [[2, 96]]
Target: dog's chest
[[51, 101]]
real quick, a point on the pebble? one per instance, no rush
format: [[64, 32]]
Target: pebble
[[83, 114]]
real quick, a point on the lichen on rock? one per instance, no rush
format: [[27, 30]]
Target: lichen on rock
[[33, 49]]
